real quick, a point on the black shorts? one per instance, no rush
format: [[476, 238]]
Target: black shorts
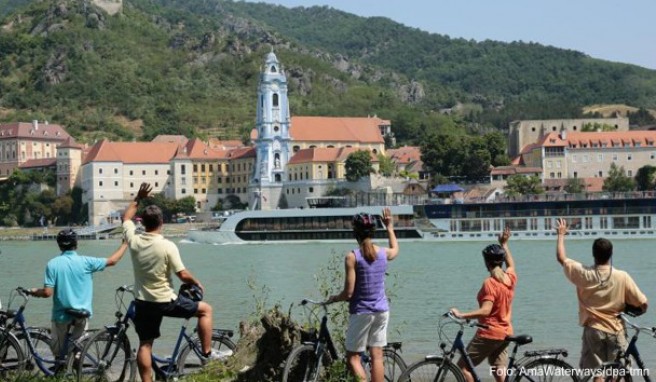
[[148, 315]]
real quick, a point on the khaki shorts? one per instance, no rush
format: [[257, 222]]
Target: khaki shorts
[[599, 347], [366, 330], [59, 330], [494, 350]]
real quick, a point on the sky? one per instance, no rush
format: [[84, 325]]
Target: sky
[[612, 30]]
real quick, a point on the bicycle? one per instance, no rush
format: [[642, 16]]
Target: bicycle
[[108, 356], [620, 369], [307, 361], [25, 349], [537, 365]]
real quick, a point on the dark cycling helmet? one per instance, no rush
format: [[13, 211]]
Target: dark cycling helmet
[[364, 223], [191, 291], [67, 239], [494, 253]]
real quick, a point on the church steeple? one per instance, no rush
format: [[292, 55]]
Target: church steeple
[[272, 124]]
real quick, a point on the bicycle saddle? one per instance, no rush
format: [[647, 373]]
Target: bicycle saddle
[[521, 339], [78, 313]]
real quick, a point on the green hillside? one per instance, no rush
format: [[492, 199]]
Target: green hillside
[[192, 67]]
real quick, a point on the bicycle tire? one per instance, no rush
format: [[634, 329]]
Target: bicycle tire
[[393, 363], [190, 360], [302, 365], [107, 357], [12, 358], [547, 369], [41, 342], [433, 370]]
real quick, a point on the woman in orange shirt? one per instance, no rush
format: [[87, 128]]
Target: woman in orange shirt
[[495, 310]]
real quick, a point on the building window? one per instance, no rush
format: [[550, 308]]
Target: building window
[[184, 191], [204, 191], [560, 175], [100, 171], [131, 185], [131, 172], [143, 172], [601, 174], [275, 99], [195, 190], [156, 184], [600, 157], [195, 168], [614, 157], [100, 183], [115, 183], [168, 172], [183, 169], [311, 190], [552, 175], [115, 171], [585, 158], [549, 165], [202, 167], [629, 157], [558, 164], [296, 148], [156, 172], [576, 174]]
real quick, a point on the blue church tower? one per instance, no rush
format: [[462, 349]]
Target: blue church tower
[[273, 140]]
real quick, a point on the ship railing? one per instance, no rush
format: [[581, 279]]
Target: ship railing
[[551, 197]]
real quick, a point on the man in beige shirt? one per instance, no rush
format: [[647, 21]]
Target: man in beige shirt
[[603, 292], [155, 260]]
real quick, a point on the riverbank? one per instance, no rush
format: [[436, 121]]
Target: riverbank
[[29, 233]]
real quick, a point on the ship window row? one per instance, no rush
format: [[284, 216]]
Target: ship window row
[[532, 224], [311, 223], [555, 212], [318, 235]]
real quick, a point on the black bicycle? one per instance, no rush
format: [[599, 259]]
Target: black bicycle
[[622, 368], [309, 361], [108, 356], [535, 366]]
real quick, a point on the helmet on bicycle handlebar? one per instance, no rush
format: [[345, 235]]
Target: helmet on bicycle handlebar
[[494, 253], [67, 239], [191, 291]]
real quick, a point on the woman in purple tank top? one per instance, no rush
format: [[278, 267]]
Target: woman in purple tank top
[[364, 289]]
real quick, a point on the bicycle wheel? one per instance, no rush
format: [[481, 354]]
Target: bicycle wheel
[[394, 365], [547, 369], [106, 356], [12, 358], [432, 370], [302, 365], [41, 341], [190, 359]]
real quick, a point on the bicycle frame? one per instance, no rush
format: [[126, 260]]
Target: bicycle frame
[[166, 367], [19, 322], [632, 349], [324, 339]]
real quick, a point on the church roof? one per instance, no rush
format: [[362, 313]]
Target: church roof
[[337, 129], [325, 154]]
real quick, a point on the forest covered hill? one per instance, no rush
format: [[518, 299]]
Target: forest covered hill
[[192, 67]]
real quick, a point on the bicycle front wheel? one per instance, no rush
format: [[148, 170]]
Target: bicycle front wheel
[[12, 358], [107, 357], [190, 359], [547, 369], [432, 370], [302, 365]]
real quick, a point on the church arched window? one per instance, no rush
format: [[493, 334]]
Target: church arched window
[[275, 99], [278, 178], [296, 148], [273, 69]]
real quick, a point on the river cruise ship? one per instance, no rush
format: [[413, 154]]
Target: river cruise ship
[[630, 215]]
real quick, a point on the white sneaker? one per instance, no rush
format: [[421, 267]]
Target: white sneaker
[[219, 355]]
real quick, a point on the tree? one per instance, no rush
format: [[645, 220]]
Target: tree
[[496, 145], [523, 185], [574, 186], [385, 165], [645, 178], [358, 165], [617, 180]]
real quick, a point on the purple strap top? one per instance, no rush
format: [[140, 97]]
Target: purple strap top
[[369, 294]]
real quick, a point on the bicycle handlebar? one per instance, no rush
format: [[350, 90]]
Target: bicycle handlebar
[[637, 328], [463, 321]]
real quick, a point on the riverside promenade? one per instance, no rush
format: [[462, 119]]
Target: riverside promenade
[[39, 233]]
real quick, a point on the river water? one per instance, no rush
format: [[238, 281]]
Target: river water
[[426, 279]]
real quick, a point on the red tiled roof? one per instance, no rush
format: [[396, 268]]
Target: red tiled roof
[[197, 149], [337, 129], [405, 154], [512, 170], [132, 152], [326, 154], [241, 153], [26, 130], [36, 163], [179, 139], [71, 144]]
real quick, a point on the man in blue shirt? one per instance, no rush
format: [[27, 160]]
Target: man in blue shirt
[[69, 279]]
